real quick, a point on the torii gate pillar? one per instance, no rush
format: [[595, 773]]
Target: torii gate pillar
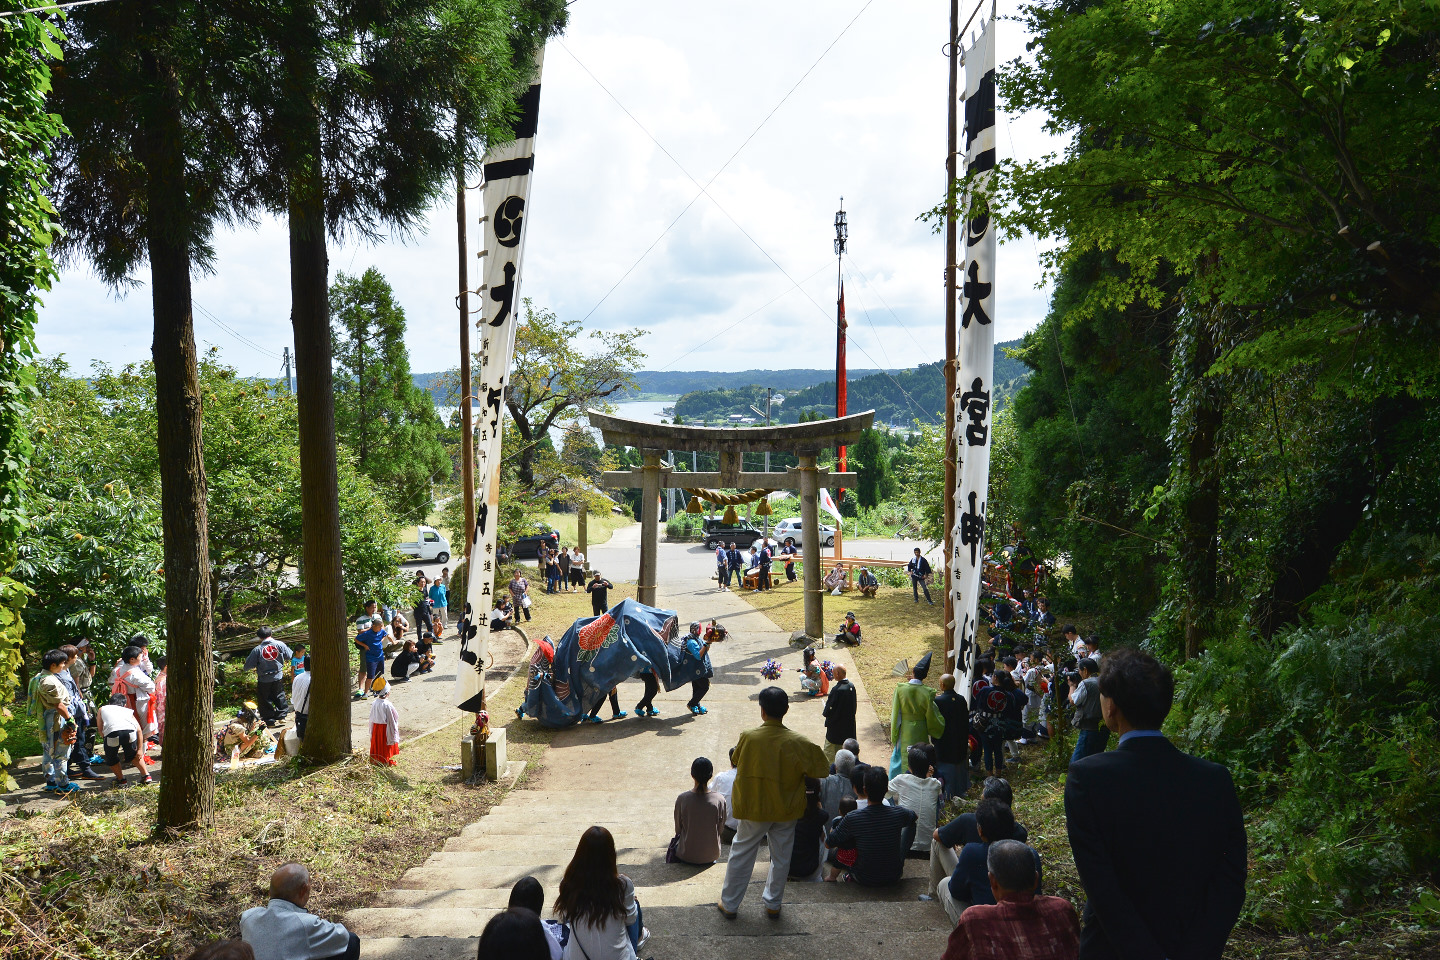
[[810, 540], [649, 527]]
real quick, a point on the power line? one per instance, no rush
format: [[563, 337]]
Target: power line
[[236, 334], [723, 167], [875, 290]]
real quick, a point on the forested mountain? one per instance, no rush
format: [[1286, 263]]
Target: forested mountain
[[898, 397]]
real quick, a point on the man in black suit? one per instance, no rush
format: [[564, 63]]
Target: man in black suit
[[839, 714], [1157, 834]]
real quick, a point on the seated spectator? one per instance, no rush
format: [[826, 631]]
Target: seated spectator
[[837, 580], [947, 841], [515, 934], [874, 833], [503, 616], [809, 836], [725, 785], [869, 586], [598, 903], [284, 930], [248, 732], [919, 791], [529, 895], [970, 883], [853, 746], [849, 634], [1021, 922], [699, 818], [836, 787], [407, 660]]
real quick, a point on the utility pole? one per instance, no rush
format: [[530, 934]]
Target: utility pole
[[289, 382], [950, 341], [842, 383], [462, 301]]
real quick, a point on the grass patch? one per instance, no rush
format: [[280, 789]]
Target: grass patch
[[22, 732], [599, 528], [894, 628]]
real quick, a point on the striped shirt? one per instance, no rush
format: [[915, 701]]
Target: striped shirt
[[874, 832]]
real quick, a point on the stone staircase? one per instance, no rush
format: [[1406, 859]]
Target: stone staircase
[[624, 775]]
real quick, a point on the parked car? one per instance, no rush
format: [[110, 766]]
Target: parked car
[[741, 534], [528, 547], [788, 531], [430, 544]]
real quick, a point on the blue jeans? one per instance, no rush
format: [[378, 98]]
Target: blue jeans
[[54, 749], [1088, 743], [955, 776], [635, 928], [916, 585]]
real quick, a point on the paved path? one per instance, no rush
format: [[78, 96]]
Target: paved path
[[625, 774]]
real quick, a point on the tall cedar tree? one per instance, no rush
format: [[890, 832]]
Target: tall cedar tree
[[348, 116], [147, 172], [380, 414]]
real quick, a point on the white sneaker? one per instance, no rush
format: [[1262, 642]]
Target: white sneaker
[[644, 937]]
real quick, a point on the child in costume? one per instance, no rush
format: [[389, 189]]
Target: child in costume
[[384, 725]]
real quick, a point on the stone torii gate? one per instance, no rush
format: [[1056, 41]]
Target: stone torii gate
[[805, 440]]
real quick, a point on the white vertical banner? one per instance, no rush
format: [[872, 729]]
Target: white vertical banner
[[975, 351], [506, 193]]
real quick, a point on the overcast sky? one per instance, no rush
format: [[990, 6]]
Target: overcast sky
[[868, 123]]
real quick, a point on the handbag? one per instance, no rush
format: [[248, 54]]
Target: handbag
[[671, 856], [525, 601]]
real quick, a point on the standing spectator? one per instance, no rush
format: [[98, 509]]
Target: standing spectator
[[284, 930], [735, 566], [577, 567], [599, 589], [875, 833], [300, 699], [1074, 641], [839, 713], [425, 616], [953, 745], [914, 717], [371, 643], [552, 571], [598, 902], [439, 605], [1043, 619], [119, 735], [82, 671], [919, 570], [298, 658], [772, 763], [268, 660], [1036, 678], [162, 691], [1086, 696], [1179, 893], [699, 818], [722, 567], [698, 648], [764, 557], [562, 563], [57, 723], [1092, 650], [918, 790], [78, 763], [519, 594], [1021, 922]]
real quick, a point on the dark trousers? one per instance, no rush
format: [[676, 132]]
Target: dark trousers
[[916, 585], [652, 687], [274, 705], [790, 572], [521, 608], [596, 607], [764, 578], [352, 950], [81, 753], [614, 705], [698, 689]]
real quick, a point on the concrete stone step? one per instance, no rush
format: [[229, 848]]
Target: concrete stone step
[[693, 920], [571, 827], [480, 874], [676, 894], [543, 846], [781, 943]]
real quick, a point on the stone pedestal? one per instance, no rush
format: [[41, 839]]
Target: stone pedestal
[[487, 758]]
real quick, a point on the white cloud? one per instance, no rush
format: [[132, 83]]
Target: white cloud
[[867, 123]]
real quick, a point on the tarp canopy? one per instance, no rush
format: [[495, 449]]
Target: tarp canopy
[[597, 653]]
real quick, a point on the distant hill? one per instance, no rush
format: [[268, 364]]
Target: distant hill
[[715, 395]]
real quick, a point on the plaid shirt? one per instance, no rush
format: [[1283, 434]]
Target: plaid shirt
[[1024, 927]]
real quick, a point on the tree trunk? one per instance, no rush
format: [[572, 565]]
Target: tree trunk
[[1200, 513], [327, 733], [187, 789]]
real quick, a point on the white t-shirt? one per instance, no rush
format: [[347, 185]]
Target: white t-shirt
[[114, 719], [724, 784], [921, 795], [300, 693]]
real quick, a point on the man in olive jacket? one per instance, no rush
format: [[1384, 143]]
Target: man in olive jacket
[[771, 764]]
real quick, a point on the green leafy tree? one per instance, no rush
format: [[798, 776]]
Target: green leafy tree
[[552, 377], [390, 423], [580, 452], [871, 461]]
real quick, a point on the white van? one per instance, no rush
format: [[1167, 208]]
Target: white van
[[788, 531], [431, 545]]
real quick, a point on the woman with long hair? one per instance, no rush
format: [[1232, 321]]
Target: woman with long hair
[[598, 902], [515, 934]]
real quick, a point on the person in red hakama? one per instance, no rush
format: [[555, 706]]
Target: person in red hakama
[[384, 726]]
